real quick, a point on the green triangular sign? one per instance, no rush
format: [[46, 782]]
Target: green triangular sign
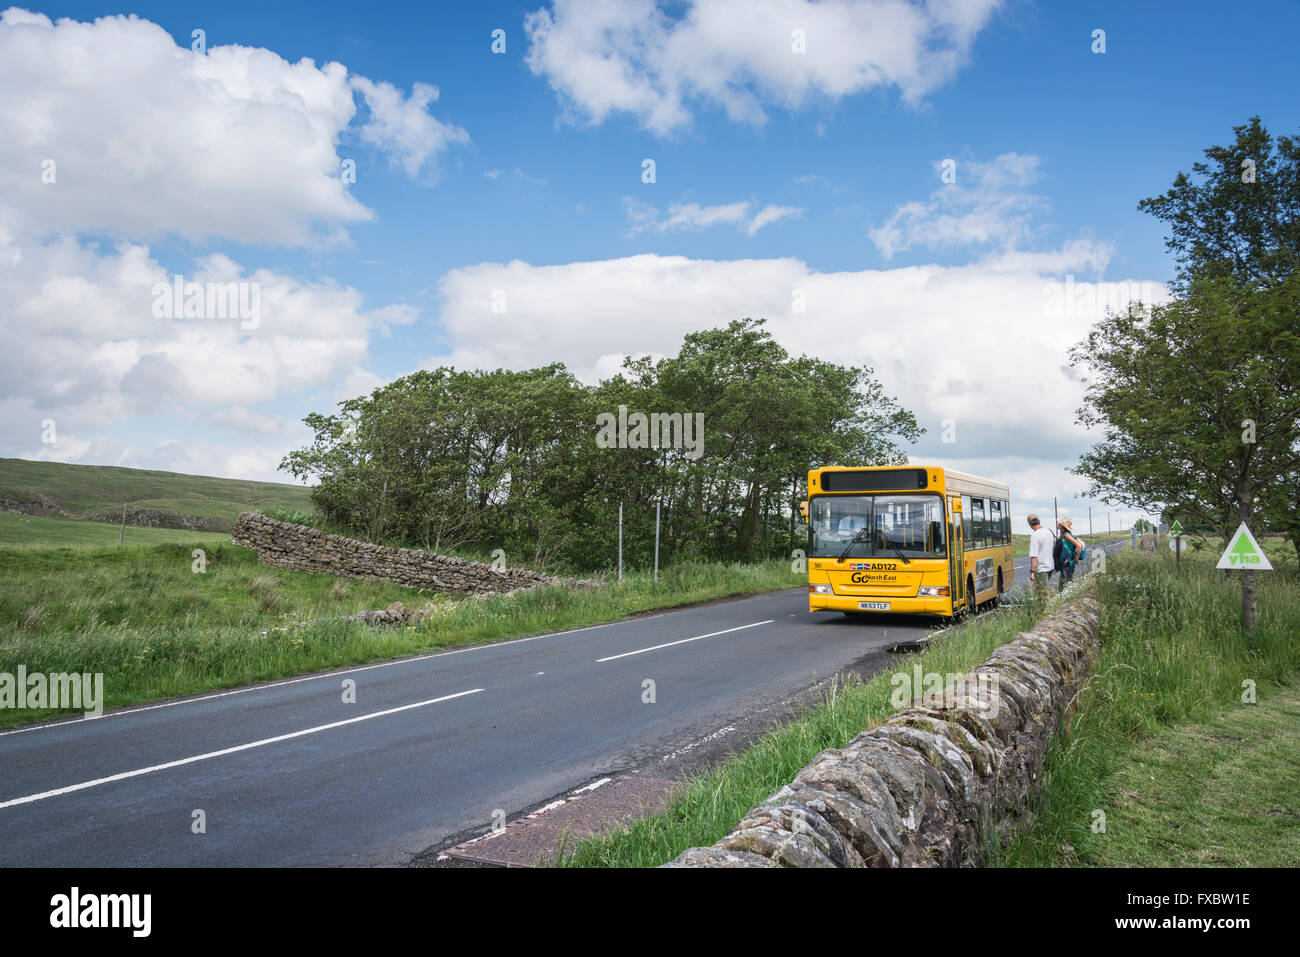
[[1176, 528], [1244, 554]]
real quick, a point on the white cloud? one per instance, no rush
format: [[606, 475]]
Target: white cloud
[[403, 127], [691, 216], [770, 214], [520, 175], [988, 203], [238, 419], [150, 138], [930, 332], [631, 56], [84, 346]]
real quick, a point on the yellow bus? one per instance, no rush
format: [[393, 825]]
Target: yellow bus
[[916, 539]]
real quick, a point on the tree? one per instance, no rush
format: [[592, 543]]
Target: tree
[[1201, 421], [1281, 505], [511, 459], [1242, 219], [1200, 398]]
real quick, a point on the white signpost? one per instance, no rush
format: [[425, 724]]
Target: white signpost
[[1244, 554]]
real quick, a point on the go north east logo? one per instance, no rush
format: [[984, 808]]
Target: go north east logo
[[1244, 553]]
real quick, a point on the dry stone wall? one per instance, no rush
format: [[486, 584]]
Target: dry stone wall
[[157, 518], [925, 788], [307, 549]]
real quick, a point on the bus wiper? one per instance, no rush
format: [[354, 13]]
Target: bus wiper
[[853, 541], [897, 551]]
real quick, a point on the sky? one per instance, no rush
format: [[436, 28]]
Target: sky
[[946, 192]]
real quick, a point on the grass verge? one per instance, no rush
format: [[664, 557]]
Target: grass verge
[[1162, 744], [711, 803], [155, 628], [1183, 800]]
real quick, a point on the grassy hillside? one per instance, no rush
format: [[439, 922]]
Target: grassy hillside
[[83, 489]]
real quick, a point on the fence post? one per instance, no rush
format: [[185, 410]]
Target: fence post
[[658, 503], [620, 542]]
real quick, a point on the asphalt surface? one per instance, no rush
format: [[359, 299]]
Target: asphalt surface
[[288, 773]]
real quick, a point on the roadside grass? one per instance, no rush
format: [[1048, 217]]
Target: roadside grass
[[156, 629], [41, 531], [711, 803], [1156, 741]]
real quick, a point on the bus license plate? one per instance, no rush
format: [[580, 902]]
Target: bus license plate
[[874, 605]]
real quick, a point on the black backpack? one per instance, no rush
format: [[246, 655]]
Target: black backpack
[[1057, 546]]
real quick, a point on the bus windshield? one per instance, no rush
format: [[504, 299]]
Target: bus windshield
[[877, 525]]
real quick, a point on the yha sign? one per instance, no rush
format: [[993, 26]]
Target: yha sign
[[1244, 554]]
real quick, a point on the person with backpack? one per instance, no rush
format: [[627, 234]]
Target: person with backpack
[[1067, 552], [1041, 561]]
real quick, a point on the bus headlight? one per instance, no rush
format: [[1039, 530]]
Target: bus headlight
[[820, 589], [933, 591]]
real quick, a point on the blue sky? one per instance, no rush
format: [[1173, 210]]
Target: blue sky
[[774, 172]]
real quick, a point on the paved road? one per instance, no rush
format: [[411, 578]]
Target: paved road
[[287, 773]]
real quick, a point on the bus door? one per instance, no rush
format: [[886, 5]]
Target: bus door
[[956, 558]]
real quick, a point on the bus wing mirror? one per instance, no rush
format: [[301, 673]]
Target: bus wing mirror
[[803, 510]]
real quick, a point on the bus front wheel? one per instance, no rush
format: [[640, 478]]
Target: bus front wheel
[[970, 595]]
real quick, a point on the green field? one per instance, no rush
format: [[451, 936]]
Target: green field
[[35, 531], [1206, 550], [83, 489], [1020, 543]]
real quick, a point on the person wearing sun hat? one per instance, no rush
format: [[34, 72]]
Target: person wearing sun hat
[[1071, 549]]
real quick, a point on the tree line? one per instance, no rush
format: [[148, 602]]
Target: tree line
[[536, 463], [1200, 397]]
